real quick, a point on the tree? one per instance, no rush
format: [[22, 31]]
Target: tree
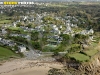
[[66, 39], [60, 48], [29, 25], [36, 45], [80, 38], [34, 36], [19, 24]]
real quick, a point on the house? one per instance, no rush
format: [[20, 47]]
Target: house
[[20, 35], [22, 48], [87, 32], [91, 31], [54, 26], [25, 18], [11, 43], [83, 32], [18, 21], [4, 31], [60, 27], [31, 19], [74, 25], [14, 24], [56, 39], [7, 42], [1, 12], [68, 29], [56, 29], [16, 52]]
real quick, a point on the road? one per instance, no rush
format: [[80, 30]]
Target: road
[[32, 53]]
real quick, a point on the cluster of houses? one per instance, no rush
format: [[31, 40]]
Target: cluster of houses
[[55, 30], [11, 44], [27, 29], [20, 35], [87, 32], [3, 31], [27, 18], [7, 42]]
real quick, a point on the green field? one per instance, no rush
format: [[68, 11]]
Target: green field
[[79, 57], [90, 52], [6, 53], [15, 28], [5, 21], [57, 5], [49, 48]]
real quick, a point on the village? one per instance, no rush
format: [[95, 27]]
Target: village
[[49, 38], [44, 26]]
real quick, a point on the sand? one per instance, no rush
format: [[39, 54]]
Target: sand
[[27, 67]]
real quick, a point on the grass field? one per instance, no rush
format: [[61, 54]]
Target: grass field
[[57, 5], [92, 49], [5, 21], [91, 52], [6, 53], [15, 28], [79, 57], [49, 48]]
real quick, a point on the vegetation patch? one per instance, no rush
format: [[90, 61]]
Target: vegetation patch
[[79, 57], [49, 48], [5, 21], [6, 53], [90, 52], [74, 48], [15, 28]]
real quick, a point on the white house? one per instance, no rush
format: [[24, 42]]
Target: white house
[[91, 31], [83, 32], [59, 32], [22, 48], [14, 24], [91, 38], [25, 18], [87, 32], [60, 27], [1, 12], [4, 31], [54, 26], [18, 21], [68, 28]]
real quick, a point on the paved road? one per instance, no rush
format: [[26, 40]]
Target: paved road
[[32, 53]]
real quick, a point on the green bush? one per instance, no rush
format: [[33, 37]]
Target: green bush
[[36, 45]]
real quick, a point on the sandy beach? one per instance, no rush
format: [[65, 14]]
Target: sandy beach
[[27, 67]]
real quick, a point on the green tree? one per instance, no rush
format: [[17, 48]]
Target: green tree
[[34, 36], [67, 39], [36, 45]]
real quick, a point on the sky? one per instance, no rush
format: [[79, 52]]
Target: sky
[[49, 0]]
